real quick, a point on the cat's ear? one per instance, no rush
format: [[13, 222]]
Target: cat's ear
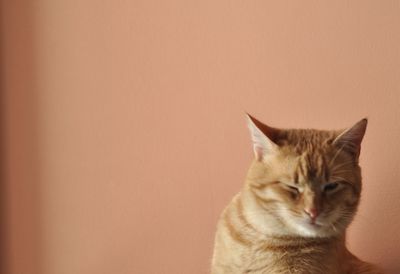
[[350, 139], [262, 137]]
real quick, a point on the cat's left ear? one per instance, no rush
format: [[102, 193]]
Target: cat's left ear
[[350, 139], [263, 138]]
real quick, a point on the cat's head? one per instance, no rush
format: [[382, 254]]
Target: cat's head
[[309, 179]]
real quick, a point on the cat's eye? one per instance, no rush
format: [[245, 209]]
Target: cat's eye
[[330, 187], [293, 189]]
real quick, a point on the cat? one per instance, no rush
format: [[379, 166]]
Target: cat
[[300, 194]]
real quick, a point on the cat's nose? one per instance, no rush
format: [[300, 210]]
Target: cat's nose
[[312, 212]]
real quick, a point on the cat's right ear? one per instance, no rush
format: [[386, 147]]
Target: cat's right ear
[[262, 137]]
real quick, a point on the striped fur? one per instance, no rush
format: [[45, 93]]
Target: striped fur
[[265, 228]]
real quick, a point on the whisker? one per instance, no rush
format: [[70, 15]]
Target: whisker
[[336, 167], [338, 178], [336, 154], [342, 171], [364, 218]]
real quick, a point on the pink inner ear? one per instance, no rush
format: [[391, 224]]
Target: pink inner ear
[[356, 133], [351, 138], [259, 152], [268, 131]]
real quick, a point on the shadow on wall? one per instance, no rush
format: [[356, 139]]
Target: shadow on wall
[[2, 159], [20, 184]]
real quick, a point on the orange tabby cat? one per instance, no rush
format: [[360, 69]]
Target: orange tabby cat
[[301, 193]]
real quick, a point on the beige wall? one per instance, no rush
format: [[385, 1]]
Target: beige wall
[[125, 129]]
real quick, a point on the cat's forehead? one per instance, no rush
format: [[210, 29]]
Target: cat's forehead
[[306, 167], [305, 140], [308, 153]]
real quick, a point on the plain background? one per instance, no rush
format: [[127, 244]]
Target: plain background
[[124, 128]]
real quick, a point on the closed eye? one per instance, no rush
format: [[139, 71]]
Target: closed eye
[[330, 187], [293, 189]]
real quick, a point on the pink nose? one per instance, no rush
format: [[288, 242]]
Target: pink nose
[[312, 212]]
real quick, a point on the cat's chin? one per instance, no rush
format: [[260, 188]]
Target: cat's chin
[[307, 229]]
